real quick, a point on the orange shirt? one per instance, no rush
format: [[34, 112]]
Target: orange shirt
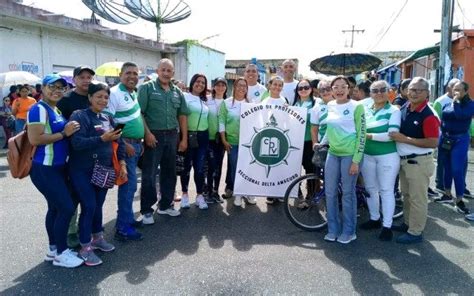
[[22, 106]]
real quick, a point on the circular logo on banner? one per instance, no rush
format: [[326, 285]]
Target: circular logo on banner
[[270, 146]]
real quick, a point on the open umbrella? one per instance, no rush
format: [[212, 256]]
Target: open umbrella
[[345, 62], [17, 77], [110, 69]]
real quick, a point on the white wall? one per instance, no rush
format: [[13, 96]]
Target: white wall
[[205, 61]]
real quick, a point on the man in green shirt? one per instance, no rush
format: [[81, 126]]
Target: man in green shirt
[[163, 108]]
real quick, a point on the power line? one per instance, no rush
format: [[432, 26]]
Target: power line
[[389, 26], [462, 12]]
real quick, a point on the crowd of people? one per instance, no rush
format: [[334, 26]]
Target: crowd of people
[[372, 135]]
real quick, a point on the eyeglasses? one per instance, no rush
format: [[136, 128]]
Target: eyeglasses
[[416, 90], [54, 88], [340, 87], [306, 87], [323, 89], [379, 90]]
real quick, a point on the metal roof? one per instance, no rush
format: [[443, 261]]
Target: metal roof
[[420, 53]]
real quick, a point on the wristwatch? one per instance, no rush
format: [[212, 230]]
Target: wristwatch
[[63, 133]]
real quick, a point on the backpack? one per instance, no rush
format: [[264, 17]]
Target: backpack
[[20, 155]]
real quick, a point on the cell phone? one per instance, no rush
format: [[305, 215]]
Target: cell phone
[[119, 126]]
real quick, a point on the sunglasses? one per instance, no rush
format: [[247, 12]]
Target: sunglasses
[[380, 90], [306, 87], [323, 89]]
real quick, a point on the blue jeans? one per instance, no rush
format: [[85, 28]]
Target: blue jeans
[[232, 155], [455, 161], [51, 182], [163, 155], [195, 157], [126, 192], [215, 156], [19, 125], [337, 170], [91, 200]]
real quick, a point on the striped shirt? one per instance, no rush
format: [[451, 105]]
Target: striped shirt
[[124, 108], [52, 154], [379, 124]]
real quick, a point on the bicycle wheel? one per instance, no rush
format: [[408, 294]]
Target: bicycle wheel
[[308, 210], [398, 208]]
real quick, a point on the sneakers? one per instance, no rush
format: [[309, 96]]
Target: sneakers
[[270, 201], [185, 202], [469, 217], [345, 239], [330, 237], [215, 196], [201, 203], [250, 200], [99, 243], [409, 239], [67, 259], [467, 194], [51, 254], [208, 198], [169, 211], [444, 199], [400, 228], [228, 194], [461, 208], [238, 201], [127, 233], [431, 192], [386, 234], [371, 224], [90, 258], [147, 219]]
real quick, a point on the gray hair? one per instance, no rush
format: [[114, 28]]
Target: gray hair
[[422, 80], [165, 61], [452, 82], [324, 81], [384, 82]]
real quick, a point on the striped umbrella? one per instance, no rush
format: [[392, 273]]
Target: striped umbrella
[[345, 63]]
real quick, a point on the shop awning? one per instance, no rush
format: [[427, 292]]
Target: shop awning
[[420, 53]]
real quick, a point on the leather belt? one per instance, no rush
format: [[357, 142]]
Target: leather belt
[[410, 156]]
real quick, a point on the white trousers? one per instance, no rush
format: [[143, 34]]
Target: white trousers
[[380, 172]]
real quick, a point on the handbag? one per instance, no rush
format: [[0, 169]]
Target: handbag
[[117, 167], [193, 135], [180, 156], [319, 156], [103, 176]]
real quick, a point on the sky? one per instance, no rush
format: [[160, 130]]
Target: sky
[[302, 29]]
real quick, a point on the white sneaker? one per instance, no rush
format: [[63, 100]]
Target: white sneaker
[[51, 254], [147, 219], [170, 211], [184, 202], [67, 259], [251, 200], [201, 203], [238, 201]]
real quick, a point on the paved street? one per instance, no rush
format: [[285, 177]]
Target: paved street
[[231, 251]]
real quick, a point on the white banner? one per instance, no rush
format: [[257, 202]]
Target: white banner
[[270, 149]]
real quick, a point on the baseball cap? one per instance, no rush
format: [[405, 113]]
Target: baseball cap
[[79, 69], [52, 78], [220, 79]]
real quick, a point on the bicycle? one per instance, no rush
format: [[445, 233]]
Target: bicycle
[[307, 210]]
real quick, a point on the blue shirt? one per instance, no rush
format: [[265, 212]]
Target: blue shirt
[[55, 153], [456, 117]]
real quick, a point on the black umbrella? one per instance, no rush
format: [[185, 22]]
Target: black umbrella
[[345, 63]]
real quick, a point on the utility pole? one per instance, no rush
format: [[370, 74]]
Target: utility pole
[[445, 44], [352, 33]]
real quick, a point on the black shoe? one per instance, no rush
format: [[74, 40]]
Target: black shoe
[[461, 207], [371, 224], [127, 234], [216, 197], [386, 234], [467, 194], [444, 199], [431, 192], [400, 228]]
